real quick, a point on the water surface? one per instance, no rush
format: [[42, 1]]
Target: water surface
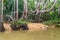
[[50, 34]]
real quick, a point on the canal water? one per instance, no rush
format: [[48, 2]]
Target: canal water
[[50, 34]]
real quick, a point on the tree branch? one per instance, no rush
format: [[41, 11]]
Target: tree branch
[[50, 8], [44, 5]]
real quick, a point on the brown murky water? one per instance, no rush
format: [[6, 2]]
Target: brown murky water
[[50, 34]]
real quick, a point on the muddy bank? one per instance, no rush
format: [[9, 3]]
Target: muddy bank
[[37, 26], [15, 27], [29, 26]]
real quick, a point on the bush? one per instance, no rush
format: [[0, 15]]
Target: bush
[[19, 24], [51, 22], [57, 25]]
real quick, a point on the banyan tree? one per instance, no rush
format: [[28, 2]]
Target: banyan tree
[[42, 7]]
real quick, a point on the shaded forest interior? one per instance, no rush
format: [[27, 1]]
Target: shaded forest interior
[[30, 11]]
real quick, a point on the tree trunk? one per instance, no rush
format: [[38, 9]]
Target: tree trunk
[[1, 16], [16, 9], [37, 18], [1, 26], [59, 13], [1, 10], [25, 14]]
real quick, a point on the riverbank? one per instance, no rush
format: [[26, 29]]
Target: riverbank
[[30, 26]]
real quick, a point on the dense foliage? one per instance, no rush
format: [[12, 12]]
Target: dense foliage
[[9, 9]]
